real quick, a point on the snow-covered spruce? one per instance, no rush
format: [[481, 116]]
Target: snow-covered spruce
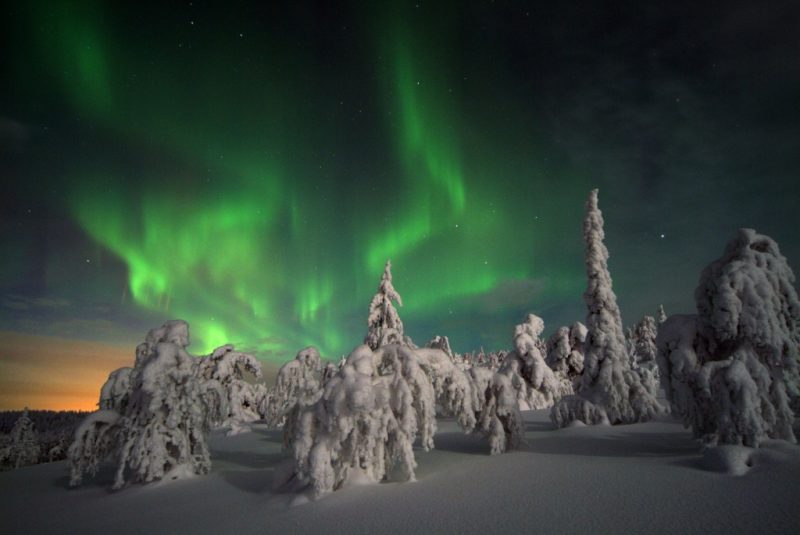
[[298, 379], [443, 343], [643, 351], [451, 385], [366, 421], [610, 391], [115, 391], [227, 367], [537, 386], [163, 428], [661, 315], [384, 323], [495, 400], [524, 381], [24, 448], [96, 439], [732, 371], [565, 353]]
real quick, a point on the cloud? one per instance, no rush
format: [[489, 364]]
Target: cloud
[[23, 302], [511, 294]]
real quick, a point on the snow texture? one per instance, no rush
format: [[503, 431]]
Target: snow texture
[[608, 383], [385, 326], [731, 371], [643, 478]]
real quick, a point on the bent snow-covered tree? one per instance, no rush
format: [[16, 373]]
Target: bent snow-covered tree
[[732, 372], [385, 326], [366, 421], [114, 393], [227, 367], [163, 428], [300, 379], [610, 391]]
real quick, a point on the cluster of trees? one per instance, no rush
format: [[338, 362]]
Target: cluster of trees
[[731, 372], [365, 415], [33, 437]]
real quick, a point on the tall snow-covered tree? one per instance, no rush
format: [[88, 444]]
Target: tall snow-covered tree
[[385, 326], [610, 391], [24, 447], [732, 372]]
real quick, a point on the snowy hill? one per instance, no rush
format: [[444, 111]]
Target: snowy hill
[[642, 478]]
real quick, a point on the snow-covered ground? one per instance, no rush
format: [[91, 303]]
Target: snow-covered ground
[[641, 478]]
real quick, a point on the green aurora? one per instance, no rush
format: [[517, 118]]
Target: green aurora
[[252, 174]]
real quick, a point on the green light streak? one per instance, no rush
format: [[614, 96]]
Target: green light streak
[[234, 226]]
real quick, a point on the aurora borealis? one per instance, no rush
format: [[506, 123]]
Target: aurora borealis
[[249, 167]]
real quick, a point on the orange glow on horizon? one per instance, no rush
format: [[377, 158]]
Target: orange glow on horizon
[[51, 373], [63, 374]]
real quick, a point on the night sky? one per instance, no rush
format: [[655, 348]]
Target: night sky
[[249, 168]]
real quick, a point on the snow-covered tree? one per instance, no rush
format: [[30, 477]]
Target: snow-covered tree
[[610, 391], [114, 393], [163, 428], [451, 385], [564, 358], [732, 372], [495, 399], [536, 384], [298, 379], [643, 353], [366, 421], [661, 316], [443, 343], [24, 448], [385, 326], [96, 439], [227, 367], [523, 381]]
